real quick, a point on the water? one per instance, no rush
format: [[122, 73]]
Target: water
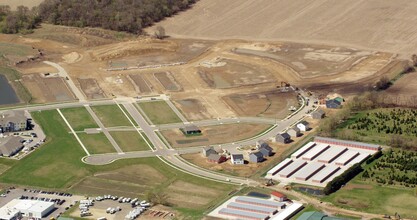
[[259, 195], [7, 93]]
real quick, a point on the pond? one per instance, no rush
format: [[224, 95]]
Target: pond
[[259, 195], [7, 93], [316, 192]]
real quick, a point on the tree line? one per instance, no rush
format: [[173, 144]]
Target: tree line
[[118, 15]]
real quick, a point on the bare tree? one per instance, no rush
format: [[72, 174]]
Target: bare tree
[[160, 32]]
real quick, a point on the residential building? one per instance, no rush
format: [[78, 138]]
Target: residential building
[[11, 145], [256, 157], [283, 138], [332, 103], [13, 121], [266, 150], [294, 132], [206, 151], [237, 159], [215, 158], [261, 143], [303, 126], [318, 114]]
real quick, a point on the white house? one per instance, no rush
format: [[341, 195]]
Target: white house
[[303, 126], [237, 159]]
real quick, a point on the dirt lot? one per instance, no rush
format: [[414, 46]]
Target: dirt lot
[[273, 104], [91, 89], [52, 89], [168, 81], [192, 109], [358, 23], [141, 86], [214, 135], [15, 3]]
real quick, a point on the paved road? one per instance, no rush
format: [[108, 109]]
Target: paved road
[[104, 130], [63, 73]]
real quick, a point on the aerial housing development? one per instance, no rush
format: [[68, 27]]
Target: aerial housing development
[[208, 109]]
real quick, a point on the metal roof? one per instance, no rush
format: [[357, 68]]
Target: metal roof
[[331, 154], [325, 173], [237, 156], [308, 170], [280, 166], [315, 151], [288, 211], [303, 150], [346, 143], [359, 158], [346, 157], [293, 166], [259, 202], [242, 213], [251, 208]]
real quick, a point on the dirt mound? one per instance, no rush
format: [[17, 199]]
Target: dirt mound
[[72, 57], [142, 46]]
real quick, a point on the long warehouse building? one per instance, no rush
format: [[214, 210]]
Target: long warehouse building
[[300, 152], [292, 168], [325, 174], [243, 215], [315, 152], [308, 171], [252, 208], [280, 166], [331, 154], [346, 158], [260, 202]]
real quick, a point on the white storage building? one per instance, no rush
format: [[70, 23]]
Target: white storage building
[[308, 171], [30, 208], [325, 174], [315, 152], [331, 154]]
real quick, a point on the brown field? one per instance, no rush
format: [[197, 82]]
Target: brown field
[[168, 81], [360, 23], [140, 83], [273, 104], [403, 92], [91, 89], [214, 135], [233, 74], [14, 3], [52, 89], [192, 109]]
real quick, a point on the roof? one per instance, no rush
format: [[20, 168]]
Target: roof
[[284, 135], [214, 157], [265, 151], [208, 148], [325, 173], [257, 154], [345, 143], [10, 144], [333, 101], [243, 213], [266, 147], [244, 206], [278, 194], [300, 152], [260, 202], [316, 216], [295, 128], [237, 156], [191, 128], [33, 205], [339, 99], [308, 170], [304, 123], [12, 116], [288, 211], [319, 111], [293, 166], [315, 151]]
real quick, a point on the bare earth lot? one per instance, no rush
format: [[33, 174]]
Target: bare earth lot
[[214, 135], [380, 25], [15, 3]]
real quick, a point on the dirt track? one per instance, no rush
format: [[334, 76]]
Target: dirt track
[[374, 24]]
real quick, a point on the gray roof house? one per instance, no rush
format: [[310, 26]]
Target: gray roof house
[[333, 103], [261, 143], [294, 132], [237, 159], [283, 138], [191, 129], [256, 157], [215, 158], [208, 150], [318, 114], [9, 146], [266, 151], [12, 121]]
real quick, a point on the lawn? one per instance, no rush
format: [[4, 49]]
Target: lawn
[[111, 115], [96, 143], [374, 198], [159, 112], [57, 164], [79, 118], [129, 141]]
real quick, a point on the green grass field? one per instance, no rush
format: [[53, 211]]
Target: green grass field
[[79, 118], [129, 141], [57, 165], [15, 49], [159, 112], [111, 115], [374, 198], [96, 143]]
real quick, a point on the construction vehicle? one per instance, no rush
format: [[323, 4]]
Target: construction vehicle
[[269, 182]]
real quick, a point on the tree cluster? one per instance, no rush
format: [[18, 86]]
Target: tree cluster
[[341, 180], [22, 20], [119, 15], [396, 167]]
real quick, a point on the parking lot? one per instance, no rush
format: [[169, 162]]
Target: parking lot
[[62, 200]]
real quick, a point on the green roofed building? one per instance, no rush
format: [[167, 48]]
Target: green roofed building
[[316, 216], [339, 99]]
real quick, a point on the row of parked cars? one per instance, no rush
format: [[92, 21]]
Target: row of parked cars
[[48, 192], [57, 201]]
